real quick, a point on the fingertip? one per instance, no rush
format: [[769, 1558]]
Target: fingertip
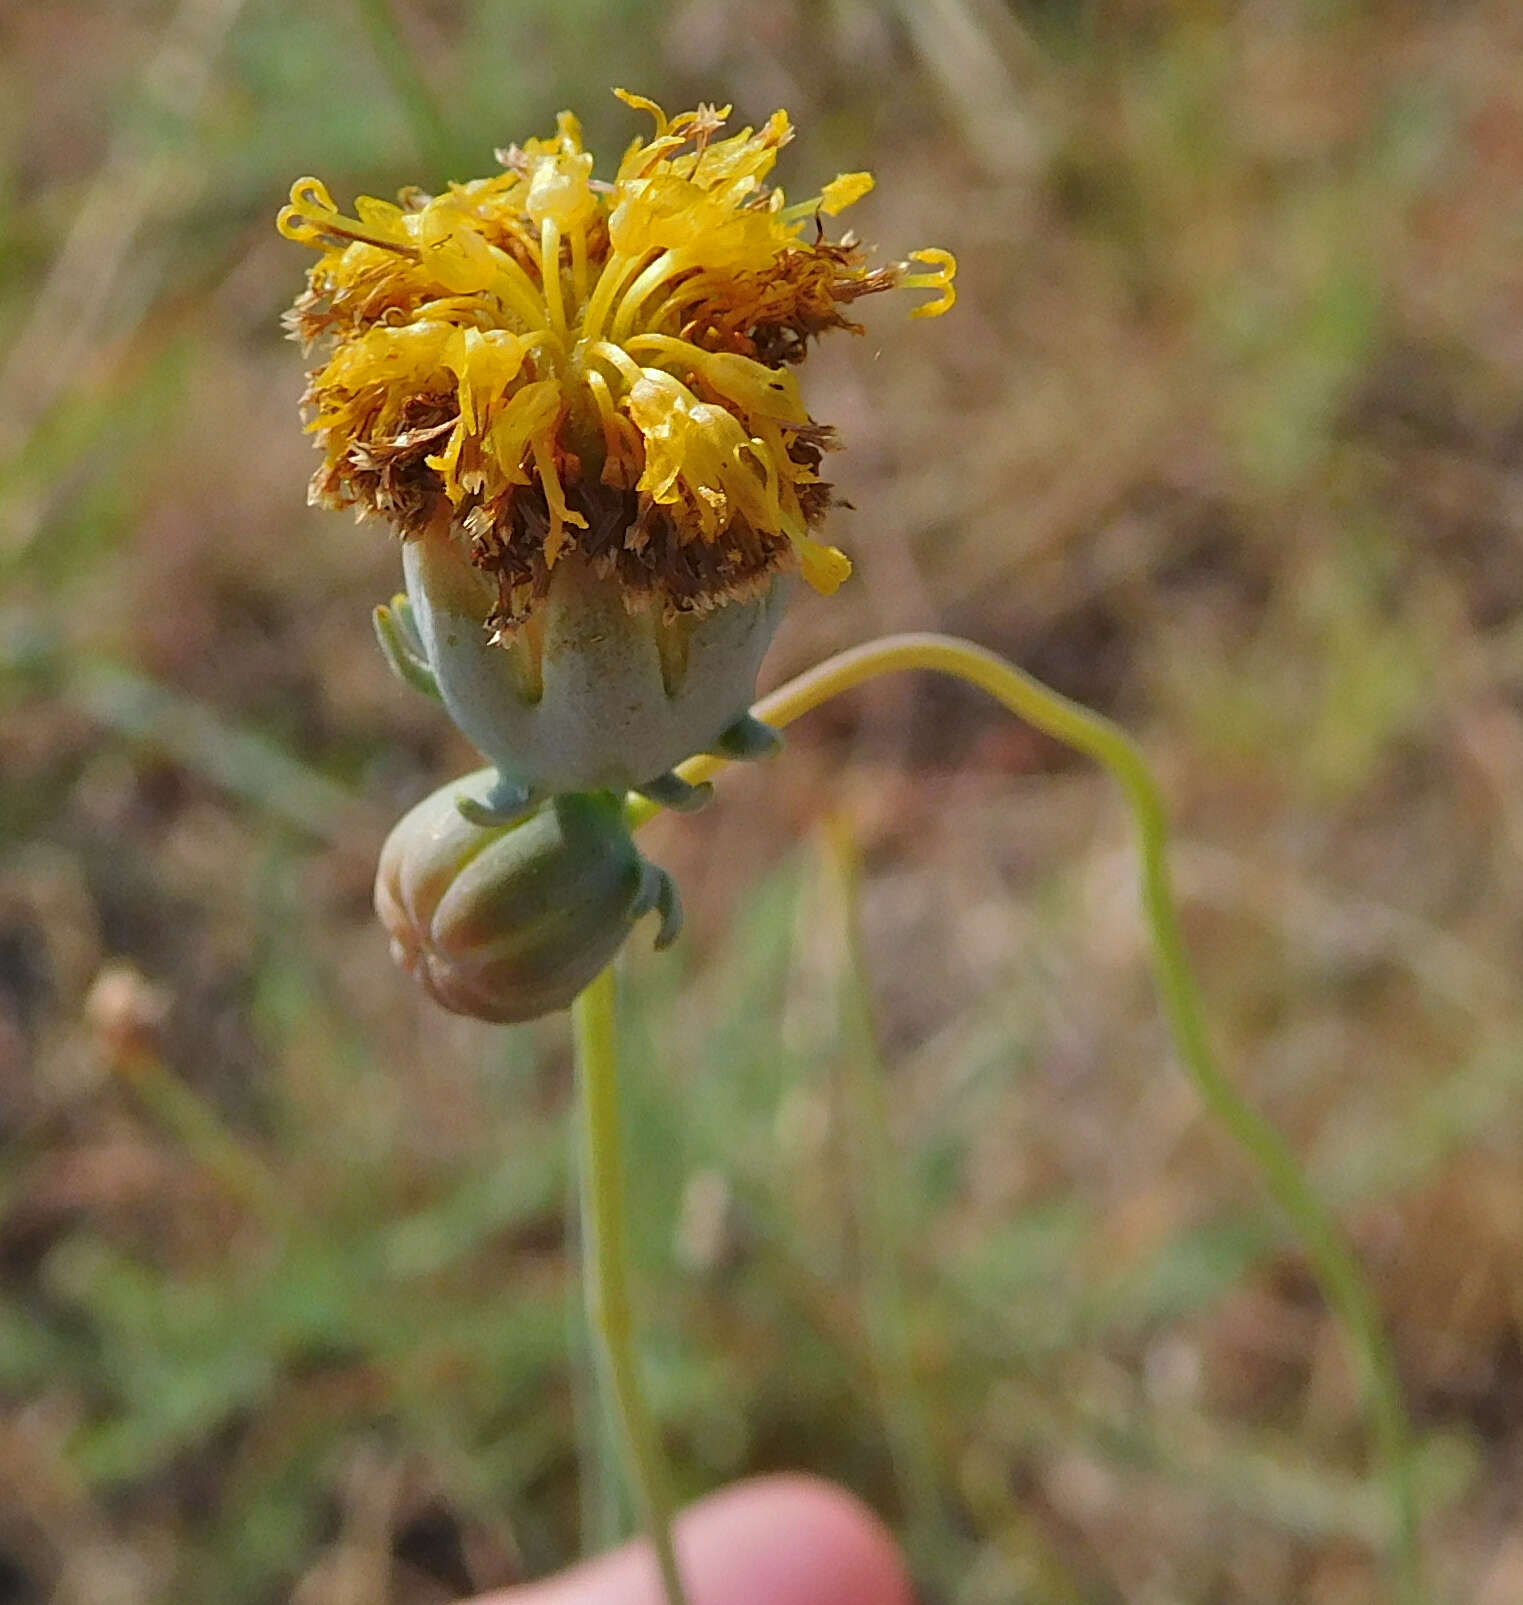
[[791, 1540], [780, 1540]]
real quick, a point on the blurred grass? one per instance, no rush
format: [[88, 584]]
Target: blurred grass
[[1223, 437]]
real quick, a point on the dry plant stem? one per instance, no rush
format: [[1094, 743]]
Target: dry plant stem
[[205, 1137], [605, 1264], [208, 743], [148, 164], [1336, 1267]]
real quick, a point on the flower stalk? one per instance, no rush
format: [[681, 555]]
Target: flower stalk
[[1333, 1261], [605, 1267]]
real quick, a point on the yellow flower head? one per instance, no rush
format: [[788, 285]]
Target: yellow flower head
[[543, 362]]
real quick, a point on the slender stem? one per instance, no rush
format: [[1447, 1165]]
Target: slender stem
[[598, 1453], [429, 129], [605, 1263], [1337, 1269]]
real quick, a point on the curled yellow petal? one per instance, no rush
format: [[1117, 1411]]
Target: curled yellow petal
[[311, 205], [641, 103], [313, 219], [945, 266]]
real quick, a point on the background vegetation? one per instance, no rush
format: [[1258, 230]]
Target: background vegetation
[[1223, 438]]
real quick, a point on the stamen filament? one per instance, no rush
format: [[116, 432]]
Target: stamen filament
[[608, 414], [515, 289], [609, 283], [669, 345], [462, 309], [664, 267], [579, 265], [550, 274], [773, 457], [542, 446], [618, 358], [679, 296]]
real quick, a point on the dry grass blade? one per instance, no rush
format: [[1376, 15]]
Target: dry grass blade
[[135, 186]]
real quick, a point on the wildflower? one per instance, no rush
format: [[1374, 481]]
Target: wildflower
[[570, 394]]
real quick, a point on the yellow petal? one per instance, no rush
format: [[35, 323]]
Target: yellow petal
[[454, 253], [844, 190], [640, 103], [530, 410], [767, 392], [559, 191], [825, 567], [405, 357]]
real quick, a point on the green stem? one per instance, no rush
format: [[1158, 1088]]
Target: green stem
[[599, 1469], [1337, 1269], [435, 142], [605, 1263]]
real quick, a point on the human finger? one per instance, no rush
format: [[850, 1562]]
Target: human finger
[[785, 1540]]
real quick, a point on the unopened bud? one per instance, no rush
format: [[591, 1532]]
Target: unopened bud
[[509, 922]]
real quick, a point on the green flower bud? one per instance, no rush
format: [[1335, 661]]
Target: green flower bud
[[599, 691], [509, 922]]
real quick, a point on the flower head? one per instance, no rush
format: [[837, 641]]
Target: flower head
[[541, 363]]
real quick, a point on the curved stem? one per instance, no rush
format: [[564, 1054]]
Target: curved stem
[[605, 1263], [1337, 1269]]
